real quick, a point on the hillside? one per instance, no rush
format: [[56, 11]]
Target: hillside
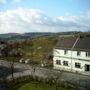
[[38, 49], [33, 35]]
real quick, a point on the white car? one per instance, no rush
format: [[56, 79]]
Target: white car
[[27, 61], [45, 64], [22, 60]]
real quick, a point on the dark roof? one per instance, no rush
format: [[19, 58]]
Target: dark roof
[[66, 42], [82, 43]]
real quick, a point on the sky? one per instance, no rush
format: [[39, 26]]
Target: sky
[[20, 16]]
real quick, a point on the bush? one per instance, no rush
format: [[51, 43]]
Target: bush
[[36, 79]]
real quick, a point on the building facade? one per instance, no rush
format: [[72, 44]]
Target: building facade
[[73, 54]]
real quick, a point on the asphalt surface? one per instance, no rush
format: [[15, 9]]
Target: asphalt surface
[[25, 70]]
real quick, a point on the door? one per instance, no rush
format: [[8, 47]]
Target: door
[[87, 67]]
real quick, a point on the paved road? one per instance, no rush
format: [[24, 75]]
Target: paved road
[[24, 70]]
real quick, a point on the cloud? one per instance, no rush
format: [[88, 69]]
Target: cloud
[[34, 20], [6, 1], [3, 1]]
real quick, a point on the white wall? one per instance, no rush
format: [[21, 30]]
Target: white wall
[[59, 55], [82, 56]]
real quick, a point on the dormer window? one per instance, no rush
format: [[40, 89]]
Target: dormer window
[[87, 54], [56, 52], [65, 51], [78, 53]]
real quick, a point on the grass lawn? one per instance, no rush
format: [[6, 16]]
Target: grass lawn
[[34, 86]]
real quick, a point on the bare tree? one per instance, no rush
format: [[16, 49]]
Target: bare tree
[[11, 52]]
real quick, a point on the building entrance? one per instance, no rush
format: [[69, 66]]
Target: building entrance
[[87, 67]]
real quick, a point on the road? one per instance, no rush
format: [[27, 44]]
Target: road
[[25, 70]]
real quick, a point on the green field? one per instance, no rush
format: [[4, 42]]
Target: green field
[[34, 86]]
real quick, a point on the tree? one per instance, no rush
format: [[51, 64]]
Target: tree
[[11, 52]]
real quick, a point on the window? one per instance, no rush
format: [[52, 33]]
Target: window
[[78, 53], [87, 54], [58, 62], [87, 67], [65, 51], [77, 65], [65, 63], [56, 52]]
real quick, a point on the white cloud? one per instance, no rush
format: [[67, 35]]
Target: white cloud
[[3, 1], [6, 1], [30, 20]]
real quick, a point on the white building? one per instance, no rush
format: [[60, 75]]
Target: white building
[[73, 54]]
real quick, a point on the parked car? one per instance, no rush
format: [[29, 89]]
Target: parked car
[[28, 61], [22, 60], [45, 64]]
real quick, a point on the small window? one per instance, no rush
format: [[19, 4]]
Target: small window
[[58, 62], [65, 63], [87, 54], [65, 51], [77, 65], [78, 53], [56, 52]]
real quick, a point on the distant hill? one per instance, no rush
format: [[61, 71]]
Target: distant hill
[[19, 36]]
